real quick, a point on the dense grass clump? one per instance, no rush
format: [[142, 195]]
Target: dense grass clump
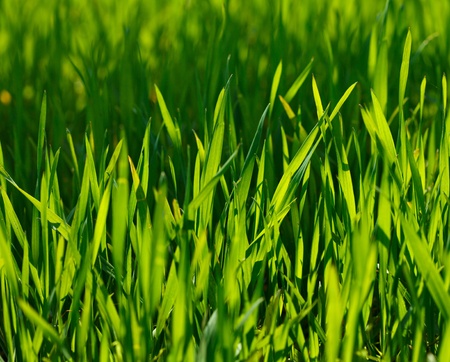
[[224, 180]]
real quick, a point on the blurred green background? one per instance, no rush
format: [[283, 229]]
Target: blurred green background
[[98, 61]]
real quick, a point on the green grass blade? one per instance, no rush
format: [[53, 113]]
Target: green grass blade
[[335, 310], [7, 261], [3, 182], [74, 158], [259, 194], [41, 134], [425, 263], [255, 142], [278, 199], [423, 86], [416, 180], [344, 174], [274, 88], [85, 323], [54, 166], [214, 152], [289, 112], [168, 300], [290, 94], [159, 244], [383, 132], [44, 242], [95, 190], [12, 219], [444, 345], [444, 94], [99, 231], [317, 99], [206, 190], [106, 306], [205, 349], [401, 143], [7, 318], [115, 156], [46, 328], [341, 101], [120, 197], [444, 148], [404, 69], [380, 83], [172, 129], [57, 223]]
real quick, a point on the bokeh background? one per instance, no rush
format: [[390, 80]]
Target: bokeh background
[[98, 61]]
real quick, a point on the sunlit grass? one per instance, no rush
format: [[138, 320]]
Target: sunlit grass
[[270, 198]]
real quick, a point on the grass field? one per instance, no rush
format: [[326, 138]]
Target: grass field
[[224, 180]]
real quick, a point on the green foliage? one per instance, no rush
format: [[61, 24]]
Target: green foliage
[[291, 224]]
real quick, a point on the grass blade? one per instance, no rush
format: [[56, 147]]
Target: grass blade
[[99, 231], [46, 328], [342, 101], [41, 134], [290, 94], [404, 69], [432, 278], [274, 88], [317, 99], [172, 129]]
